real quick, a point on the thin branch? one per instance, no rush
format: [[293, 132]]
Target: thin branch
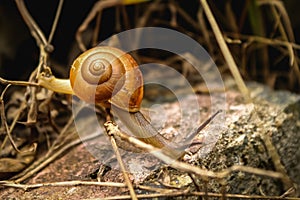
[[4, 122], [121, 163], [163, 193], [254, 38], [35, 30], [60, 184], [185, 193], [32, 101], [19, 83], [8, 133], [54, 25], [279, 167]]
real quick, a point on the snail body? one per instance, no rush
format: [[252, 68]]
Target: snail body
[[109, 77]]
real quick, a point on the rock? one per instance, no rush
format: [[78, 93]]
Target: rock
[[273, 115], [233, 138]]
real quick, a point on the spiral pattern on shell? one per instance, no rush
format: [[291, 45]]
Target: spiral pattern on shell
[[95, 69], [106, 75]]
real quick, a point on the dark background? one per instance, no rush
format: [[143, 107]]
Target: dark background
[[19, 53]]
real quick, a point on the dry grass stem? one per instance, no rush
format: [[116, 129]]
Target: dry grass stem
[[122, 166], [226, 52], [26, 187]]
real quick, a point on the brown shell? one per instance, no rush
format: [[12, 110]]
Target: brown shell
[[104, 75]]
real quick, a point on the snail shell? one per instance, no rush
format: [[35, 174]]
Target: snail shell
[[106, 75]]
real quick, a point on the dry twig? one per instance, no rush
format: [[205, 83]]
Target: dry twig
[[113, 130], [226, 52]]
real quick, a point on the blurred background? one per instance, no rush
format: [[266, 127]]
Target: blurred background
[[256, 31]]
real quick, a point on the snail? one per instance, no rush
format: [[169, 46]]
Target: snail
[[109, 77]]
